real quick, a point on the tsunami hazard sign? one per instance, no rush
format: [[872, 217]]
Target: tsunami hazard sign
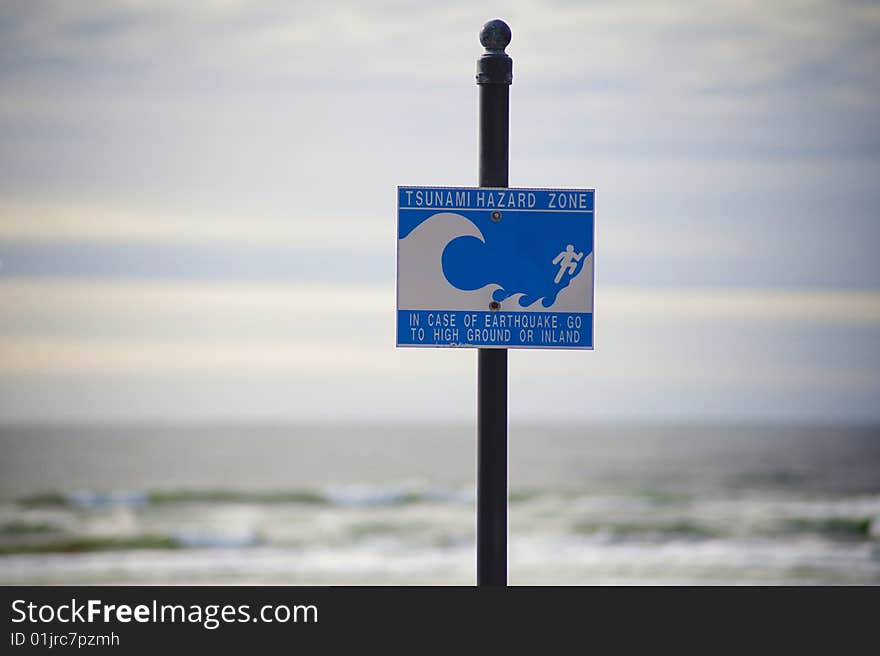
[[481, 267]]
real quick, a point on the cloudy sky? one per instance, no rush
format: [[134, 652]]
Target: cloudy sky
[[197, 205]]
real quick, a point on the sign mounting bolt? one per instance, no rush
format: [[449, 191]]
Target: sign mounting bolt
[[494, 306], [496, 216]]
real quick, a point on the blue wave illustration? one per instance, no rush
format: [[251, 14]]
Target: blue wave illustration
[[537, 257]]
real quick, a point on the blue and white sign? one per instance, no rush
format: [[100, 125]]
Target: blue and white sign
[[495, 268]]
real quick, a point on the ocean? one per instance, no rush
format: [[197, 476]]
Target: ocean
[[338, 504]]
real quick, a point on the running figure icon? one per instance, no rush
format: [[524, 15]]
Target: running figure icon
[[567, 260]]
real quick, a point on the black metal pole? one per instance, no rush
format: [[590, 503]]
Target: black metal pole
[[494, 77]]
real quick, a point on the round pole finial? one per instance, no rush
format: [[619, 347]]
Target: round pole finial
[[495, 35], [495, 66]]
